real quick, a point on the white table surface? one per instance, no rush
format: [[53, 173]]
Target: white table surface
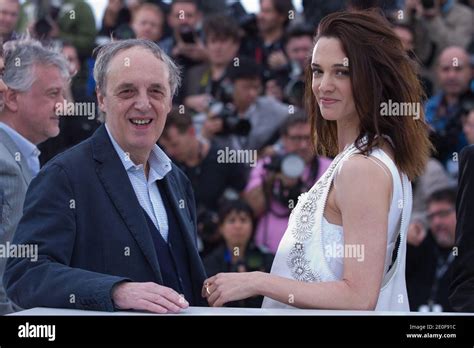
[[227, 311]]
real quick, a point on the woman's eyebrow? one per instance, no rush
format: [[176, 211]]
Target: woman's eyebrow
[[315, 65]]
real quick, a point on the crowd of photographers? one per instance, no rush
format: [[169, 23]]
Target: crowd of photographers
[[238, 129]]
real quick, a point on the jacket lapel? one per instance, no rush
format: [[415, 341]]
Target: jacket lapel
[[115, 180]]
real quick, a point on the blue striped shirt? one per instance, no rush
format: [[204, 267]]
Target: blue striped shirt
[[145, 189]]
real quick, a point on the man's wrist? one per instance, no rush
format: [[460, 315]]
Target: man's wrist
[[113, 291]]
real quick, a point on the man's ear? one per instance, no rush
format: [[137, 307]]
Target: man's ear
[[100, 99], [11, 100]]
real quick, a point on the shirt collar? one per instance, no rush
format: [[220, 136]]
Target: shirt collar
[[160, 163], [26, 147]]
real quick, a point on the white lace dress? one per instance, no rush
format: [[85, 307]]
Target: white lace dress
[[312, 249]]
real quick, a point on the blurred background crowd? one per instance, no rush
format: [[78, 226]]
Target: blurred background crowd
[[243, 84]]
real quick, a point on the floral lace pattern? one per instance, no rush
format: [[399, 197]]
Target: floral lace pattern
[[299, 265], [303, 221]]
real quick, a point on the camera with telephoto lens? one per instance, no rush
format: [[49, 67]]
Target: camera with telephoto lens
[[187, 34], [291, 80], [290, 166], [45, 16], [247, 21], [428, 4], [447, 139], [231, 122], [207, 221], [294, 92]]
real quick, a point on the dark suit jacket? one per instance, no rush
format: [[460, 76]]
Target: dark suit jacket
[[462, 286], [82, 212]]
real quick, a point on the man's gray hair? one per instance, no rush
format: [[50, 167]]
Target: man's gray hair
[[111, 49], [20, 58]]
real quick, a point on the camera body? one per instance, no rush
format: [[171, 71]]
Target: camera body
[[428, 4], [291, 80], [247, 21], [207, 223], [221, 106], [231, 122], [447, 139], [291, 166], [187, 34], [45, 16]]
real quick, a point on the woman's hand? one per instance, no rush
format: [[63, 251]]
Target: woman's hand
[[228, 287]]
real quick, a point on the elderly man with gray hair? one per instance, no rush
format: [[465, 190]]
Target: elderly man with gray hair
[[36, 78], [113, 217]]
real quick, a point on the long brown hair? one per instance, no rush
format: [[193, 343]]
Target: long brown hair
[[380, 70]]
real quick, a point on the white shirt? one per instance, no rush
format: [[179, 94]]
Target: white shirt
[[145, 189], [26, 148]]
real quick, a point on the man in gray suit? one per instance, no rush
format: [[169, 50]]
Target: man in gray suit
[[36, 78]]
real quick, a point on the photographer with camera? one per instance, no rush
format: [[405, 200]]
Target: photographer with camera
[[248, 120], [66, 20], [205, 81], [443, 110], [428, 281], [115, 21], [185, 44], [287, 81], [210, 179], [438, 24], [276, 182], [272, 20]]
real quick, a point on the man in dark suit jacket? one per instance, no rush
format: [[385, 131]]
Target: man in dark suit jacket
[[27, 118], [462, 286], [113, 218]]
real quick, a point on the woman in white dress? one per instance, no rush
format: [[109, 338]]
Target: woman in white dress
[[345, 244]]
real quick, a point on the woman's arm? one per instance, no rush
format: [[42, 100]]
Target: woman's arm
[[363, 197]]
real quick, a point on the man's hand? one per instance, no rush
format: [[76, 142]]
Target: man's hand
[[277, 59], [149, 297], [416, 233], [286, 181], [199, 102], [212, 126], [195, 51]]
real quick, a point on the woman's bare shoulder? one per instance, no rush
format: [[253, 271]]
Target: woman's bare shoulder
[[362, 176]]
